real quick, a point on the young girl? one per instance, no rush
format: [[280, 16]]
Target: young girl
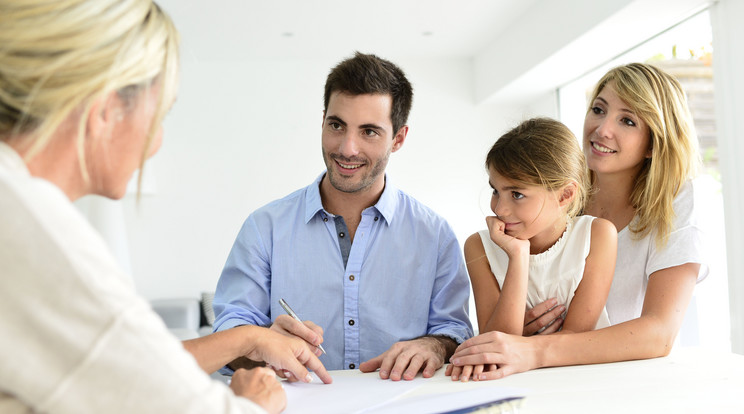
[[536, 248]]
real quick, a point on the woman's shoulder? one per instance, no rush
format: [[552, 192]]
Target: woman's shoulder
[[694, 195]]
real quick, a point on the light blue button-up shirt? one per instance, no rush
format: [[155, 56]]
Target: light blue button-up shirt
[[404, 276]]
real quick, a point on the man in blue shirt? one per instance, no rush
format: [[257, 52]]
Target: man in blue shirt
[[380, 275]]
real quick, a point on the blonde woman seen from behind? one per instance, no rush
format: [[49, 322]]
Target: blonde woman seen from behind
[[642, 154], [536, 246], [84, 86]]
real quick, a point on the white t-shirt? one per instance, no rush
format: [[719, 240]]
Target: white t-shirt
[[638, 259], [554, 273], [74, 335]]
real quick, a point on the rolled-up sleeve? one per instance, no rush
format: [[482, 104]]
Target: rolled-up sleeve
[[448, 312]]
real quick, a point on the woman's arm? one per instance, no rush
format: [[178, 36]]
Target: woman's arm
[[280, 352], [591, 294], [649, 336]]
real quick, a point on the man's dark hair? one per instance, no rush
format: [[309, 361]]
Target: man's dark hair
[[369, 74]]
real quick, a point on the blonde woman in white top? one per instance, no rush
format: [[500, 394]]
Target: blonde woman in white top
[[535, 247], [84, 86], [641, 149]]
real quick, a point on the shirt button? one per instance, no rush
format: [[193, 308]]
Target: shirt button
[[352, 366], [351, 277], [351, 322], [325, 218], [377, 218], [341, 234]]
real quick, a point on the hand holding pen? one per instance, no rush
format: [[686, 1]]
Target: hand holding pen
[[308, 331]]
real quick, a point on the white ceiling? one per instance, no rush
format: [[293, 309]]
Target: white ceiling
[[518, 48], [320, 28]]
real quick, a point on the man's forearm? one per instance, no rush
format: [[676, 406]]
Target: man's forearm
[[447, 345]]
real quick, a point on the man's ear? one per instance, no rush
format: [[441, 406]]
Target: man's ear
[[567, 193], [322, 123], [399, 138]]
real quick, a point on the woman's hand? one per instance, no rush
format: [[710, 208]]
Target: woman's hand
[[504, 355], [260, 386], [289, 356]]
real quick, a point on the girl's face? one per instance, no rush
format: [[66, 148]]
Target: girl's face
[[528, 212], [616, 140]]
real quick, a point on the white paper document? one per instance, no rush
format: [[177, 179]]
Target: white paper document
[[346, 395], [453, 401], [368, 394]]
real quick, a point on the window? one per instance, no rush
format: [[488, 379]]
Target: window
[[685, 51]]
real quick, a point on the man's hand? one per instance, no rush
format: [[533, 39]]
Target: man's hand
[[406, 358], [308, 331], [545, 318], [260, 386]]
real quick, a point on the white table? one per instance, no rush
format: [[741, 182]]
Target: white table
[[690, 380]]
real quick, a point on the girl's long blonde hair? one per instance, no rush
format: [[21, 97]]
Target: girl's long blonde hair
[[658, 99], [58, 57]]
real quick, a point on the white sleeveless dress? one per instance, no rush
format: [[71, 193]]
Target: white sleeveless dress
[[555, 273]]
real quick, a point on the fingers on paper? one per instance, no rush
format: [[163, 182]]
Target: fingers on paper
[[371, 365], [413, 366], [316, 366], [453, 372]]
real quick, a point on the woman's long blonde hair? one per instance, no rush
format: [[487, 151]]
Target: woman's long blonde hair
[[658, 99], [58, 57]]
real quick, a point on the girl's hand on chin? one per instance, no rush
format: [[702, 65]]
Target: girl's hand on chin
[[513, 246]]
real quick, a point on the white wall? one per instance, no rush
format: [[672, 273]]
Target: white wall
[[244, 133]]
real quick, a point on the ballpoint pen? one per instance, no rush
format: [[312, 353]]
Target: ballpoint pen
[[291, 313]]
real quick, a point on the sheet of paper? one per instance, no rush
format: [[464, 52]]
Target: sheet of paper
[[368, 394], [449, 401], [346, 395]]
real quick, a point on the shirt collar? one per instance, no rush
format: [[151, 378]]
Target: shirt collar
[[11, 161], [385, 205]]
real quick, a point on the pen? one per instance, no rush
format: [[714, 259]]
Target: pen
[[291, 313]]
